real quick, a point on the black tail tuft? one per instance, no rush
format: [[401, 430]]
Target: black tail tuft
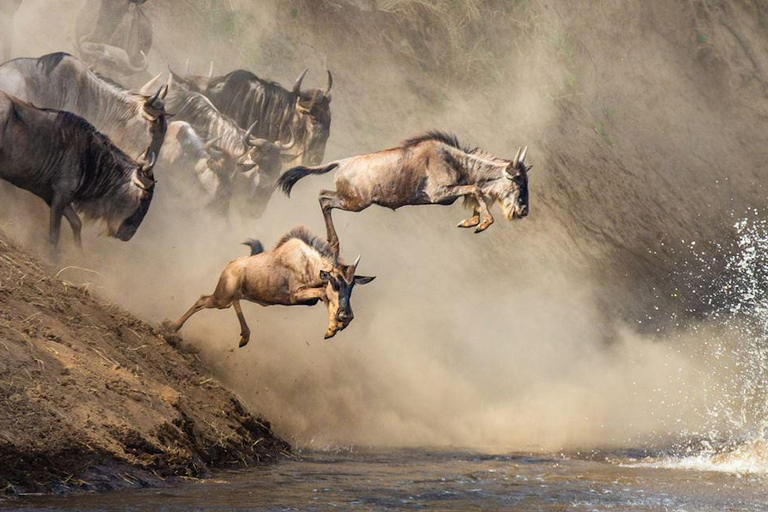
[[255, 245], [291, 176]]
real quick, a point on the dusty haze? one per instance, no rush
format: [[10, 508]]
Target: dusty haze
[[580, 326]]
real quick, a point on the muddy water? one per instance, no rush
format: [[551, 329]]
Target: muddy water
[[442, 481]]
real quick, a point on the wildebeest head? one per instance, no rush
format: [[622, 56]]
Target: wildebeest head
[[512, 191], [340, 280], [263, 153], [313, 106], [109, 58], [154, 104], [124, 222], [195, 83]]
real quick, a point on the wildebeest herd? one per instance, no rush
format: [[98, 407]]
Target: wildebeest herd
[[73, 136]]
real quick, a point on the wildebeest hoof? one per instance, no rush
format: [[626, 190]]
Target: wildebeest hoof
[[468, 223], [169, 325], [244, 341], [329, 334], [482, 227]]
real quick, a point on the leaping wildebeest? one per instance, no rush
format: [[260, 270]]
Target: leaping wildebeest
[[300, 271], [280, 114], [432, 168], [60, 81], [61, 158], [114, 36]]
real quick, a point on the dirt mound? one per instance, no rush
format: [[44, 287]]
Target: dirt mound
[[92, 398]]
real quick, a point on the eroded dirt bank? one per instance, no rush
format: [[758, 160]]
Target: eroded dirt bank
[[93, 398]]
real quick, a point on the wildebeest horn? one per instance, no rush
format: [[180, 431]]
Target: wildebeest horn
[[250, 131], [297, 84], [138, 69], [212, 142], [330, 83], [149, 160], [521, 160], [147, 89], [357, 262], [288, 145], [210, 71], [517, 156], [165, 91]]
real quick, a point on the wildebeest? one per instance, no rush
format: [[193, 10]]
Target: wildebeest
[[7, 9], [300, 270], [253, 164], [194, 168], [432, 168], [304, 115], [61, 158], [62, 82], [241, 145], [114, 36]]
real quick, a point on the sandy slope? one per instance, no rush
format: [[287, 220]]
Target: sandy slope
[[91, 397]]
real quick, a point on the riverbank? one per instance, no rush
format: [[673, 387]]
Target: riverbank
[[92, 398]]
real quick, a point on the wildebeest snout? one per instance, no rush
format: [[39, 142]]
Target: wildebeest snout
[[345, 316]]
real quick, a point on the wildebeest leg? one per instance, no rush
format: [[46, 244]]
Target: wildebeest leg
[[328, 201], [245, 332], [305, 294], [204, 302], [453, 193], [471, 222], [75, 224], [57, 211]]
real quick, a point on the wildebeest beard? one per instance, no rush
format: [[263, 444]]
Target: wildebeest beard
[[108, 192]]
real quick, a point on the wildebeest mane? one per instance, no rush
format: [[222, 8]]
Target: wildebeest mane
[[112, 82], [439, 136], [106, 167], [303, 234], [50, 61]]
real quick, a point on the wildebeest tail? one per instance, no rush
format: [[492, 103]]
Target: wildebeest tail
[[255, 245], [291, 176]]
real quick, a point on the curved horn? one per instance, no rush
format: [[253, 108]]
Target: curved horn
[[517, 156], [521, 161], [147, 89], [138, 69], [156, 95], [150, 163], [208, 145], [297, 84], [84, 51], [288, 145], [357, 261], [251, 130], [330, 83], [210, 71]]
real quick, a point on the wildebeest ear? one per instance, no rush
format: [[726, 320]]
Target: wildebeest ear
[[364, 279], [325, 276]]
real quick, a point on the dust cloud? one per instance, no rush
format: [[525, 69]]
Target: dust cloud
[[567, 330]]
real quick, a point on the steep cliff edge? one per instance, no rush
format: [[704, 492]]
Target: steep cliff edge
[[93, 398]]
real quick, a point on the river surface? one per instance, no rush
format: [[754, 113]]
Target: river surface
[[417, 480]]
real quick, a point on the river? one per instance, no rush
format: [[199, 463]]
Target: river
[[413, 480]]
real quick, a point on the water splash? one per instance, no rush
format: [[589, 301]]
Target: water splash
[[735, 434]]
